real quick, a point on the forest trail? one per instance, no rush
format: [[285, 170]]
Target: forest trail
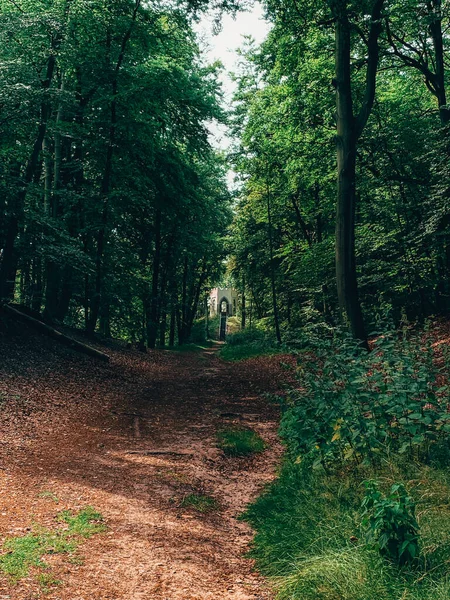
[[82, 433]]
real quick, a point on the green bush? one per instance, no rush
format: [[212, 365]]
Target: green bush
[[390, 522], [356, 416], [360, 407]]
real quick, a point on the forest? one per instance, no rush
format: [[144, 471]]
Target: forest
[[117, 218]]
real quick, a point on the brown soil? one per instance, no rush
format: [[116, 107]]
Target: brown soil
[[85, 432]]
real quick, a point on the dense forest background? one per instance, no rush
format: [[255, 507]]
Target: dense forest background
[[362, 85], [115, 213], [113, 201]]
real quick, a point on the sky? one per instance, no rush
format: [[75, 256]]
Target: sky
[[224, 47]]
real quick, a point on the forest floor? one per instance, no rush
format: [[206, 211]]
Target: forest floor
[[75, 432]]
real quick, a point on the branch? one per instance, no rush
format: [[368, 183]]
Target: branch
[[372, 67], [421, 66]]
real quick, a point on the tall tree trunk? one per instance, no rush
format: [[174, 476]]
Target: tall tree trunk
[[152, 324], [272, 265], [53, 270], [182, 315], [7, 265], [349, 130], [243, 307], [172, 325], [435, 9]]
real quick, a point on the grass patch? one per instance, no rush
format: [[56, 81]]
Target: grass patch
[[47, 582], [248, 344], [22, 553], [49, 495], [309, 539], [240, 442], [200, 502]]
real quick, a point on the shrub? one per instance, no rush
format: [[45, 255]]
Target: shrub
[[389, 522], [247, 344], [357, 406]]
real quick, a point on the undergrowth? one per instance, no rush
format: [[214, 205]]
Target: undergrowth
[[24, 552], [309, 537], [240, 441], [248, 343], [361, 508]]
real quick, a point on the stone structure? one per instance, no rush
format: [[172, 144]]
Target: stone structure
[[223, 298]]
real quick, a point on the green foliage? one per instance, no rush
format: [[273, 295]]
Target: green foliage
[[389, 521], [248, 343], [240, 442], [124, 198], [200, 502], [21, 553], [308, 535], [47, 582], [359, 407]]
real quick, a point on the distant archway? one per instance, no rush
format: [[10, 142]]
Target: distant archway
[[224, 304], [224, 309]]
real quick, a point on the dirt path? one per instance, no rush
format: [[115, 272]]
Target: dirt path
[[82, 433]]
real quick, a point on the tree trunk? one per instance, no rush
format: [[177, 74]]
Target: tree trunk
[[438, 45], [243, 307], [7, 264], [272, 265], [349, 130], [107, 176], [152, 324], [53, 269], [172, 326]]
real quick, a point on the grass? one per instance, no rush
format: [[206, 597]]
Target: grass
[[22, 553], [246, 344], [47, 582], [200, 502], [49, 495], [240, 441], [309, 541]]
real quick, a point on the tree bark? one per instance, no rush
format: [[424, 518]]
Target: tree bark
[[30, 170], [152, 323], [349, 129], [243, 307], [272, 265]]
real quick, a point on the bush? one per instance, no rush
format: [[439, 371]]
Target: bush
[[356, 416], [390, 523], [354, 406], [308, 536]]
